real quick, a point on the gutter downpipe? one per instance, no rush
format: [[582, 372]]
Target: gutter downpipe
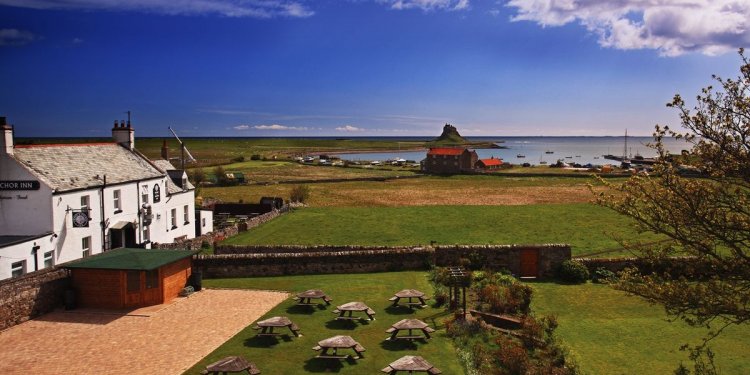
[[101, 207]]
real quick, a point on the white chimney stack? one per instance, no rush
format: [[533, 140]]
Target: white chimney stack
[[123, 134], [6, 141]]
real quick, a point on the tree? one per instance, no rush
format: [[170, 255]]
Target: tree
[[707, 217], [221, 176], [198, 176]]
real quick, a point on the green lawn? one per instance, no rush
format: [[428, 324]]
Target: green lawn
[[295, 355], [585, 226], [609, 332]]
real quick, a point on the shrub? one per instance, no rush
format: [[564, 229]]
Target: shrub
[[299, 193], [603, 275], [238, 159], [572, 271], [255, 157]]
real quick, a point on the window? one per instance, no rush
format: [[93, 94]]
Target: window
[[85, 202], [203, 222], [133, 281], [116, 201], [152, 279], [86, 246], [186, 214], [174, 218], [18, 268], [49, 259], [144, 194]]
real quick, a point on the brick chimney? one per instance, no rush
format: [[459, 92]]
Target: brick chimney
[[6, 141], [164, 151], [124, 134]]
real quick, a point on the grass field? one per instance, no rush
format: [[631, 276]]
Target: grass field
[[585, 227], [273, 171], [609, 332], [429, 190], [295, 356]]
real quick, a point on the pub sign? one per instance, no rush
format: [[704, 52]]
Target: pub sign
[[19, 185], [157, 193], [80, 218]]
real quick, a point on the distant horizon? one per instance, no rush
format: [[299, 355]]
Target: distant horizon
[[359, 67]]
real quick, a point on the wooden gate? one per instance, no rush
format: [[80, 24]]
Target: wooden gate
[[529, 262]]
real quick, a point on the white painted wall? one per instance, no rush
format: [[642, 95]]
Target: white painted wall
[[205, 222], [23, 212], [23, 252], [162, 225]]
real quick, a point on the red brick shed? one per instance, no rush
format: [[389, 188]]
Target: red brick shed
[[490, 163], [130, 278]]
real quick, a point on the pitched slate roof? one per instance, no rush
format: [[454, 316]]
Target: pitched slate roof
[[131, 259], [451, 151], [77, 166]]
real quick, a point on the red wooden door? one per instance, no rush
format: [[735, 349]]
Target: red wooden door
[[529, 262]]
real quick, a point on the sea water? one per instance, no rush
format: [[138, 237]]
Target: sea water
[[533, 150]]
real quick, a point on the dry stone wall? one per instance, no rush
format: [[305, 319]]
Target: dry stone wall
[[320, 262], [244, 261], [31, 295]]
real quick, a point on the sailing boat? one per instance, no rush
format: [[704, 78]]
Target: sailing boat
[[542, 162]]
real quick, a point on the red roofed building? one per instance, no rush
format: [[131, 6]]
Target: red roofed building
[[490, 163], [448, 160]]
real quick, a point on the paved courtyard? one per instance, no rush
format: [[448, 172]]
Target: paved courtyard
[[167, 339]]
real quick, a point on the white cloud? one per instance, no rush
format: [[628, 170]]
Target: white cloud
[[427, 4], [278, 127], [227, 8], [673, 27], [77, 41], [15, 37], [349, 128], [241, 127]]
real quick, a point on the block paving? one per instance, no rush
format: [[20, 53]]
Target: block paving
[[166, 339]]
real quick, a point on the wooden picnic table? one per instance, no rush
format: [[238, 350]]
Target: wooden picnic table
[[338, 342], [346, 310], [305, 298], [230, 365], [411, 294], [266, 326], [409, 325], [411, 364]]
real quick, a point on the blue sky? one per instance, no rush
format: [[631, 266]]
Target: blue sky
[[359, 67]]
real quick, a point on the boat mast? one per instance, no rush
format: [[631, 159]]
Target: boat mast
[[625, 149]]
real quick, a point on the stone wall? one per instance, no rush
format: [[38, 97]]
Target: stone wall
[[219, 235], [275, 249], [243, 261], [320, 262], [31, 295], [503, 256], [677, 266]]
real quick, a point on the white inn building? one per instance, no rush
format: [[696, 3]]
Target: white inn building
[[61, 202]]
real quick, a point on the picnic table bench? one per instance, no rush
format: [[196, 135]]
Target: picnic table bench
[[231, 364], [346, 311], [411, 364], [305, 298], [335, 343], [409, 325], [266, 326], [409, 294]]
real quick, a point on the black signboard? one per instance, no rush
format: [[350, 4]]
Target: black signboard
[[19, 185], [157, 193], [80, 218]]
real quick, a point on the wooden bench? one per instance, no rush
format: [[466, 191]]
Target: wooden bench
[[429, 329], [412, 337], [394, 298], [329, 356], [349, 318], [327, 299], [359, 348]]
